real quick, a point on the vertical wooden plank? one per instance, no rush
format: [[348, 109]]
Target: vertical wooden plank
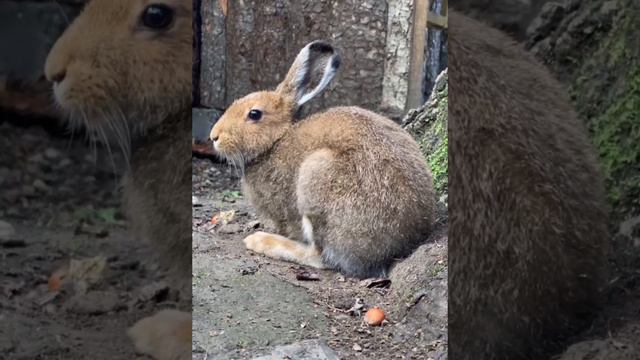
[[414, 95], [397, 57], [212, 61], [197, 45]]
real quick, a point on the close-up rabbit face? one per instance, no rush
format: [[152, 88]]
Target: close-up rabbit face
[[124, 65], [254, 123]]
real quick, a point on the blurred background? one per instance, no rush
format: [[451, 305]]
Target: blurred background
[[71, 278]]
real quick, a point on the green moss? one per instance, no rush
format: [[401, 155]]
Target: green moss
[[606, 91], [437, 270], [428, 126], [437, 154], [617, 137]]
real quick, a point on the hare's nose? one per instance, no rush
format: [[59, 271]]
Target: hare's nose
[[214, 138], [58, 77]]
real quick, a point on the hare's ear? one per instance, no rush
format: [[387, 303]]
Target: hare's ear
[[316, 63]]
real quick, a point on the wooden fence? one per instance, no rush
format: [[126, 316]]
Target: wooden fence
[[243, 46], [423, 18]]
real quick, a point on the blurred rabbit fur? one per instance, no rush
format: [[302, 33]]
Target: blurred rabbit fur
[[528, 237], [346, 188], [122, 70]]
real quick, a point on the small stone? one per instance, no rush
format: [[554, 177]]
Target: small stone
[[94, 303], [357, 347], [40, 185], [306, 349], [609, 8], [230, 229], [7, 231], [37, 158], [51, 153], [28, 190], [253, 224], [64, 162], [50, 309], [156, 291]]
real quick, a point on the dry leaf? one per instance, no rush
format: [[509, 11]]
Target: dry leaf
[[356, 309], [86, 272], [57, 278], [304, 275], [376, 283], [224, 217]]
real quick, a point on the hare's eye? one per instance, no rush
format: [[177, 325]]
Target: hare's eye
[[157, 16], [255, 115]]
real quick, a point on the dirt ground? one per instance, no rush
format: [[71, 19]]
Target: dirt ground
[[246, 305], [71, 278]]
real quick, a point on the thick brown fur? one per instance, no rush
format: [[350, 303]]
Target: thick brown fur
[[127, 84], [528, 220], [356, 178]]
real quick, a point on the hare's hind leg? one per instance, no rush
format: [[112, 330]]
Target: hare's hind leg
[[163, 336], [279, 247]]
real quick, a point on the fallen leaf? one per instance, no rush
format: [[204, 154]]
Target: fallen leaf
[[225, 217], [108, 215], [304, 275], [376, 283], [55, 280], [233, 195], [84, 228], [86, 272], [356, 309]]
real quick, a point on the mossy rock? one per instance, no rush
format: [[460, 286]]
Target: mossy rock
[[604, 86], [613, 108], [428, 125], [419, 288]]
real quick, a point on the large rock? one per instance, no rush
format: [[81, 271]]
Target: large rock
[[428, 125], [419, 288], [621, 345], [419, 283], [605, 85]]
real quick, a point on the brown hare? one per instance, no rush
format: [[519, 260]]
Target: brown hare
[[123, 71], [346, 188], [527, 215]]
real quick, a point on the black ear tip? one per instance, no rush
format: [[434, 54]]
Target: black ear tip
[[336, 61], [321, 46]]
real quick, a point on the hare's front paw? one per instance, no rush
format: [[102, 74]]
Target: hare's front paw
[[257, 242], [163, 336]]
